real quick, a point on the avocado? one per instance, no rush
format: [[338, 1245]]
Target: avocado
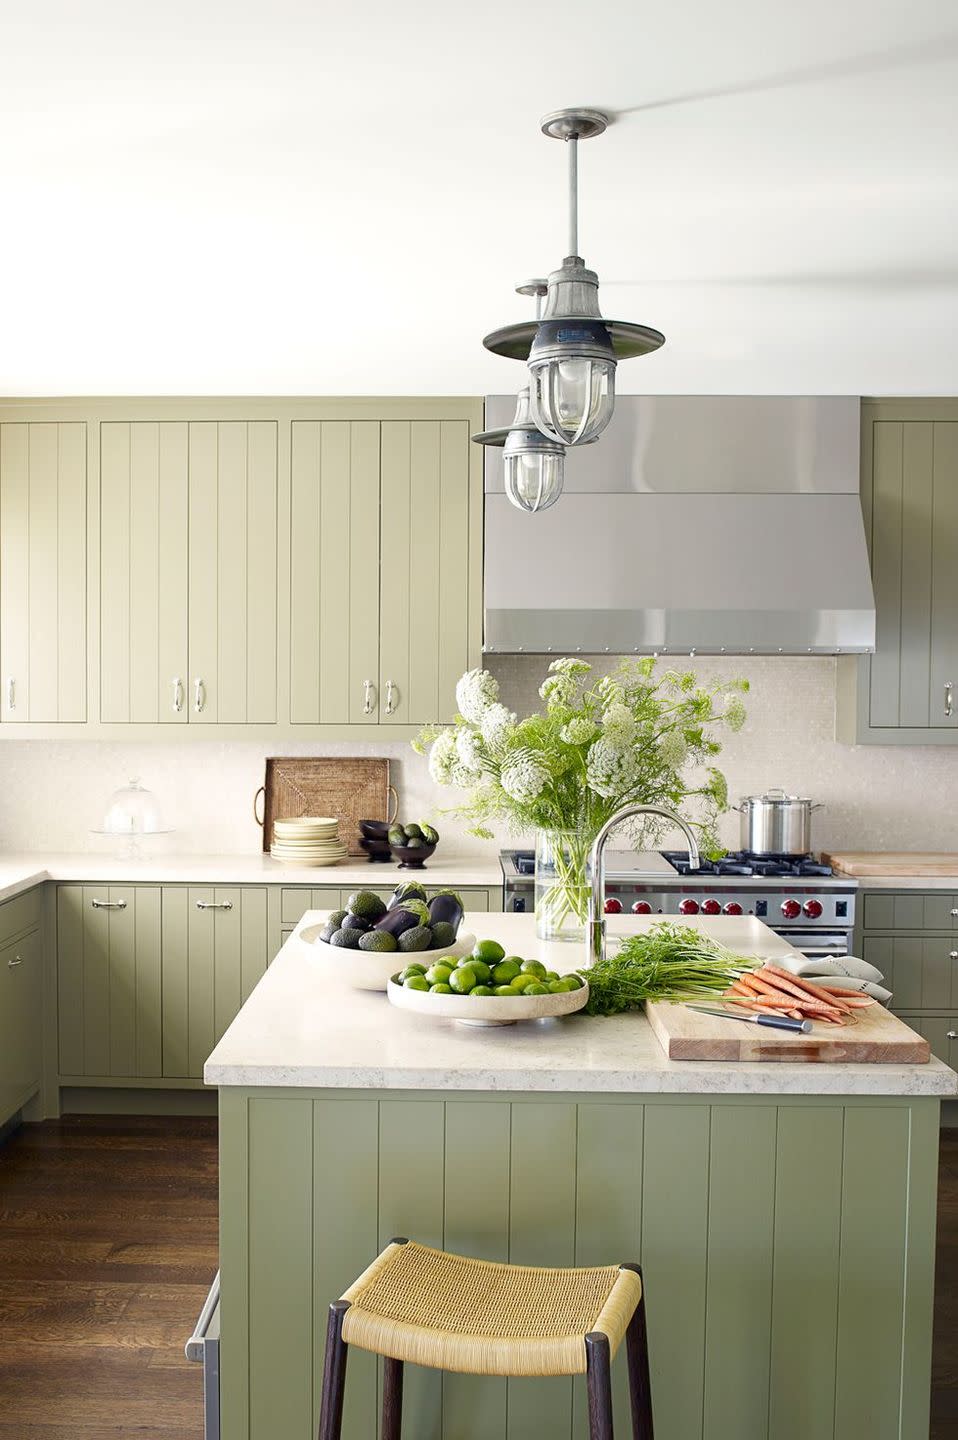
[[355, 922], [443, 935], [327, 932], [418, 939], [366, 905], [429, 834], [397, 835], [336, 918], [413, 831], [379, 941], [347, 939]]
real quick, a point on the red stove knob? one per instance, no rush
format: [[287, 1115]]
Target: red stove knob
[[688, 907], [732, 908], [812, 908], [641, 907], [613, 906], [791, 909], [711, 907]]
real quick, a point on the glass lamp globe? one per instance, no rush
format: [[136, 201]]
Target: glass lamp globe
[[533, 464], [572, 371]]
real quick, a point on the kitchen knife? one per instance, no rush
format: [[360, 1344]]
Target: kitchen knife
[[775, 1022]]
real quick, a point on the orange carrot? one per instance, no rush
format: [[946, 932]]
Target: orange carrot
[[815, 991]]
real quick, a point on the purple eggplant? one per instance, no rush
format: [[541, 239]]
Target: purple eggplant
[[447, 906], [397, 920], [406, 890]]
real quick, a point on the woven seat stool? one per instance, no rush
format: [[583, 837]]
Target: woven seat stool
[[448, 1312]]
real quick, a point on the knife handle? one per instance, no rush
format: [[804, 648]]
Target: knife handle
[[785, 1022]]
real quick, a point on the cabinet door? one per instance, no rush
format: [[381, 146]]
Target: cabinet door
[[233, 494], [144, 547], [215, 948], [108, 980], [43, 571], [334, 573], [20, 1022], [425, 601]]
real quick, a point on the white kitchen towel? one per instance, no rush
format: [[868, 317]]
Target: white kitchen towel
[[847, 965]]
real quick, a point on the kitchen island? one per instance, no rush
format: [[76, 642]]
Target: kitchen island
[[784, 1214]]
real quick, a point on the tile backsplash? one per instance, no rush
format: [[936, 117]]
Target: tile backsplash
[[53, 793]]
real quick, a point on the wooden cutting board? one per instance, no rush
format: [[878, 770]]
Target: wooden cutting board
[[888, 862], [876, 1037]]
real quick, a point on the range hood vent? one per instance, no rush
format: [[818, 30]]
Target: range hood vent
[[714, 524]]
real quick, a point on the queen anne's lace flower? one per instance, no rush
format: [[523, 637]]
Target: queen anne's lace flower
[[559, 689], [469, 748], [475, 692], [524, 778], [579, 730], [496, 723], [610, 691], [570, 666], [673, 749], [611, 772], [618, 725], [442, 756], [735, 712]]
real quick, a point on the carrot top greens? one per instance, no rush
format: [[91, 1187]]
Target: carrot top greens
[[668, 962]]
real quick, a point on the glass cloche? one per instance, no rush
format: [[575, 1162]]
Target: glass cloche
[[132, 813]]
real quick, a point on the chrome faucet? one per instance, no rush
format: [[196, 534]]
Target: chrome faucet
[[595, 931]]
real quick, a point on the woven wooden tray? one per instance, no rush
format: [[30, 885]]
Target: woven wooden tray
[[351, 789]]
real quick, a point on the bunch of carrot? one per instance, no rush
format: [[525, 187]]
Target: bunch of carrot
[[772, 991]]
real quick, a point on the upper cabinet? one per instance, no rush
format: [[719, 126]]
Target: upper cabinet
[[43, 569], [907, 692], [301, 567]]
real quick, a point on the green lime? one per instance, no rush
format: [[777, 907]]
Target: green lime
[[533, 967], [416, 982], [551, 975], [570, 982], [506, 990], [479, 967], [408, 970], [521, 982], [482, 990], [505, 971], [489, 950], [438, 974], [463, 979], [536, 989], [555, 987], [440, 989]]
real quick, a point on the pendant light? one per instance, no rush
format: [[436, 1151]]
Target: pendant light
[[572, 351], [533, 464]]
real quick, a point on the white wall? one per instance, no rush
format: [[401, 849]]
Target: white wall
[[52, 793]]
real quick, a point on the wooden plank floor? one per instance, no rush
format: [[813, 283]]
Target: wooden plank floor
[[108, 1247]]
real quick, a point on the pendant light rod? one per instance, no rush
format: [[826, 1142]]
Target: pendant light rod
[[573, 126], [573, 144]]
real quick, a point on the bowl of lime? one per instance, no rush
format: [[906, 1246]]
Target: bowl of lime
[[363, 944], [485, 987]]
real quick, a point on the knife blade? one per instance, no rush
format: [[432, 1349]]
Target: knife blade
[[774, 1022]]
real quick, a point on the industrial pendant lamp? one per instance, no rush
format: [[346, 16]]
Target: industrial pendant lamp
[[571, 350], [533, 463]]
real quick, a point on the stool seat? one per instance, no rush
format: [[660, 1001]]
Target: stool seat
[[450, 1312]]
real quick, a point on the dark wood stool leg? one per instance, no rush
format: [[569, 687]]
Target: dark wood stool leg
[[598, 1361], [334, 1374], [640, 1383], [392, 1399]]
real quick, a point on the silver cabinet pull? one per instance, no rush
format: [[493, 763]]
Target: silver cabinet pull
[[369, 697], [108, 904], [11, 693], [955, 911], [953, 954], [949, 698], [199, 694], [214, 904], [14, 963], [177, 695], [390, 691], [952, 1035]]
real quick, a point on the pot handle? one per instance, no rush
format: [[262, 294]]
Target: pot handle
[[819, 805]]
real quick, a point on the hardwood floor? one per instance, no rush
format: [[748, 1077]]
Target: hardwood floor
[[108, 1246], [107, 1249]]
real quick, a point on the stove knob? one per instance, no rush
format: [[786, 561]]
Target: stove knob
[[791, 909], [613, 906], [711, 907], [812, 908], [688, 907], [641, 907], [732, 908]]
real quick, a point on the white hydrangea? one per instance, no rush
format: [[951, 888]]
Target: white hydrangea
[[579, 730], [469, 748], [496, 723], [735, 712], [443, 755], [611, 772], [673, 749], [524, 778], [618, 725], [475, 692]]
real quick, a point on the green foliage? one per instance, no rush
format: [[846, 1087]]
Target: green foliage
[[668, 962]]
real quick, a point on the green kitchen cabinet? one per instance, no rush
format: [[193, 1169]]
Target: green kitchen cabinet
[[911, 936], [108, 981], [43, 572], [188, 572], [907, 691], [214, 949], [21, 1011]]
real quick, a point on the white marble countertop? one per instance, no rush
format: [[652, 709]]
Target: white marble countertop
[[906, 882], [21, 872], [303, 1027]]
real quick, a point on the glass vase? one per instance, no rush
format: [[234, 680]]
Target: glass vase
[[563, 881]]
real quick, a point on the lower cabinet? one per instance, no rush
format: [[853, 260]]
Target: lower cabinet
[[910, 936], [21, 1042]]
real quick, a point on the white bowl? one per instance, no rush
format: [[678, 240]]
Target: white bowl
[[367, 970], [486, 1009]]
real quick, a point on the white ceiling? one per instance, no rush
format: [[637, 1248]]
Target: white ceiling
[[302, 197]]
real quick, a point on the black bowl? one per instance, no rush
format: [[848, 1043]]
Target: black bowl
[[377, 849], [374, 829], [412, 857]]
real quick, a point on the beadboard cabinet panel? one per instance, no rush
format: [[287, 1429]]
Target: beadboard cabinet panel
[[21, 1011], [43, 571]]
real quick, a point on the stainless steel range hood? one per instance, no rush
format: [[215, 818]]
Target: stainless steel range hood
[[709, 523]]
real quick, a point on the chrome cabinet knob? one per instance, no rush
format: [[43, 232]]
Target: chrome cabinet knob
[[952, 1035], [955, 911], [953, 954]]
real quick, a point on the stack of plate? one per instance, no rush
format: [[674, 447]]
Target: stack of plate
[[308, 840]]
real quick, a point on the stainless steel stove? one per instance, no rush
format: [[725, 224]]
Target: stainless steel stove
[[800, 899]]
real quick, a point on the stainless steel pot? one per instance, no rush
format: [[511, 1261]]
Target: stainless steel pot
[[776, 823]]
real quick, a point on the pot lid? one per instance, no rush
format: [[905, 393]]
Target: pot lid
[[776, 797]]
